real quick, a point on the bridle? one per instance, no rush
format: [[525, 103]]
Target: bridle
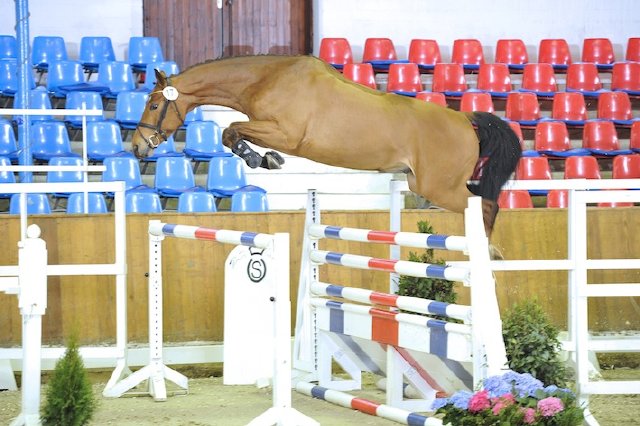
[[170, 95]]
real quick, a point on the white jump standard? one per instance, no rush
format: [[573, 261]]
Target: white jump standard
[[364, 330], [275, 254]]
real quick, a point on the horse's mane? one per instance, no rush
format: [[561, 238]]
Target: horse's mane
[[226, 58]]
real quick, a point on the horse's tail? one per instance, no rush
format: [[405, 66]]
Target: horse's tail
[[500, 151]]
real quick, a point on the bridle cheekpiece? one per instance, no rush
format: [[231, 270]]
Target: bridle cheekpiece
[[170, 94]]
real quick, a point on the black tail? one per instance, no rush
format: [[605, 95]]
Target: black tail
[[500, 151]]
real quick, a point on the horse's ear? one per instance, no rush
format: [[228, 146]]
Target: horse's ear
[[161, 77]]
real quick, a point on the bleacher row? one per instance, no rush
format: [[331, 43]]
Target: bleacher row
[[574, 119], [168, 180]]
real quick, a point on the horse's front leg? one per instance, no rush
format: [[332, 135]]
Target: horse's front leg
[[237, 134]]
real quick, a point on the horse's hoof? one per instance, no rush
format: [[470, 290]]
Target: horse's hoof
[[253, 160], [272, 160]]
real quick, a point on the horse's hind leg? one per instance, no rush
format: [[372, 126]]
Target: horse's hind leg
[[236, 135]]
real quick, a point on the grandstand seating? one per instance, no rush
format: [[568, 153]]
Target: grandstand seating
[[598, 51], [143, 51], [50, 139], [616, 106], [626, 77], [335, 51], [584, 77], [435, 97], [93, 51], [632, 52], [539, 78], [449, 78], [169, 68], [404, 79], [425, 53], [8, 143], [37, 203], [581, 167], [83, 100], [249, 201], [197, 202], [476, 101], [569, 107], [468, 53], [360, 73], [38, 99], [494, 78], [552, 140], [96, 203], [515, 199], [8, 47], [555, 52], [524, 108], [601, 139], [47, 49], [513, 53]]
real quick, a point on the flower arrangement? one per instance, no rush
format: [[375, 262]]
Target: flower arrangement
[[509, 400]]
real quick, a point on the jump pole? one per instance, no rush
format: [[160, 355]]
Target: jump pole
[[281, 412], [360, 336]]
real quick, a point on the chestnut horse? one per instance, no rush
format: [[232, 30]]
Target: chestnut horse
[[301, 106]]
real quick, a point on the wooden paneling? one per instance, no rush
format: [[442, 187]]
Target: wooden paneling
[[193, 270], [192, 31]]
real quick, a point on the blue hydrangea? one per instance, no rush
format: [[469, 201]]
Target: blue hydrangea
[[497, 386], [461, 399], [439, 403]]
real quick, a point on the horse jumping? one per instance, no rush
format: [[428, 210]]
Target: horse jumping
[[301, 106]]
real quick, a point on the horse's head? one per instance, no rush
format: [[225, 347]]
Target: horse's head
[[163, 114]]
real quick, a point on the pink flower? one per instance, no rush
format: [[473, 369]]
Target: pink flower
[[479, 401], [501, 403], [529, 415], [550, 406]]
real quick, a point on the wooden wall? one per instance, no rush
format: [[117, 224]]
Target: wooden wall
[[193, 270]]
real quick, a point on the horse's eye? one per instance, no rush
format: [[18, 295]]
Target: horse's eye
[[153, 107]]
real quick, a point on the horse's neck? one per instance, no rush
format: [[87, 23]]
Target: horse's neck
[[220, 82]]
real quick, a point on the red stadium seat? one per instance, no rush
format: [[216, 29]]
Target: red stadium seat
[[632, 53], [539, 78], [536, 168], [404, 79], [581, 167], [555, 52], [336, 51], [598, 51], [449, 79], [515, 199], [552, 140], [360, 73], [494, 78], [515, 126], [435, 97], [601, 138], [569, 107], [523, 107], [558, 198], [468, 53], [626, 167], [634, 137], [379, 49], [626, 77], [513, 53], [616, 107], [583, 77], [425, 53], [476, 101]]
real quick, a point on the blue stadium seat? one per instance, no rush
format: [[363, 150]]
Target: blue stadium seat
[[86, 100], [142, 202], [197, 202], [8, 144], [57, 177], [50, 139], [37, 203], [68, 76], [96, 204], [226, 176], [126, 169], [117, 76], [47, 49], [203, 140], [8, 177], [104, 140], [129, 108], [143, 51], [10, 80], [38, 99], [174, 175], [193, 115], [8, 47], [95, 50], [165, 149], [169, 68], [249, 201]]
